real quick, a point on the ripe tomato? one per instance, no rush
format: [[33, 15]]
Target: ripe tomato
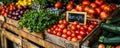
[[78, 26], [69, 38], [85, 26], [54, 32], [79, 8], [103, 5], [71, 2], [87, 32], [60, 21], [64, 35], [80, 37], [69, 7], [91, 11], [83, 33], [113, 6], [82, 28], [62, 26], [59, 34], [54, 26], [90, 29], [73, 27], [65, 22], [103, 15], [107, 8], [56, 29], [65, 31], [98, 10], [86, 3], [73, 35], [69, 33], [95, 23], [49, 30], [58, 5], [77, 32], [86, 9], [93, 5], [75, 23], [60, 30], [99, 2], [74, 39]]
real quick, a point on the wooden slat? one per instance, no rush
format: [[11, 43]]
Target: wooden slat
[[30, 37]]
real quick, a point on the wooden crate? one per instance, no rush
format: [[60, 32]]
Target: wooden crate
[[66, 43]]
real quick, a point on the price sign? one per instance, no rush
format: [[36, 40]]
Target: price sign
[[76, 16]]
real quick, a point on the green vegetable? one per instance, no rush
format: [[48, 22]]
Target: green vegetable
[[111, 40], [108, 46], [113, 19], [111, 28], [38, 21]]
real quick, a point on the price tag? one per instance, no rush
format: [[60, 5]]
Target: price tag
[[76, 16], [53, 10]]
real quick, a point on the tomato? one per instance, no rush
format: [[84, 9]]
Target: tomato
[[74, 39], [71, 3], [69, 38], [77, 32], [101, 46], [74, 10], [73, 35], [69, 33], [62, 26], [103, 15], [98, 10], [78, 26], [75, 23], [87, 32], [60, 30], [118, 46], [79, 8], [85, 26], [49, 30], [103, 5], [82, 28], [73, 27], [91, 11], [92, 26], [91, 16], [107, 8], [80, 37], [58, 5], [83, 33], [86, 3], [86, 9], [90, 29], [93, 5], [69, 7], [64, 35], [65, 31], [54, 26], [54, 32], [56, 29], [95, 23], [113, 6], [59, 34], [99, 2], [60, 21], [65, 22]]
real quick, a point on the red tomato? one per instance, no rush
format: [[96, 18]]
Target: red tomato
[[49, 30], [73, 35], [95, 23], [87, 32], [83, 33], [78, 26], [85, 26], [71, 2], [62, 26], [69, 33], [69, 38], [73, 27], [86, 9], [98, 10], [64, 35], [93, 5], [107, 8], [103, 15], [59, 34], [99, 2], [60, 21], [69, 7], [82, 28], [60, 30], [65, 22], [54, 32], [92, 26], [90, 29], [54, 26], [75, 23], [113, 6], [58, 5], [56, 29], [91, 11], [77, 32], [103, 5], [86, 3], [65, 31], [79, 8], [80, 37], [74, 39]]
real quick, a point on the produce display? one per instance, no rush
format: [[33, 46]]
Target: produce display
[[72, 31], [24, 2]]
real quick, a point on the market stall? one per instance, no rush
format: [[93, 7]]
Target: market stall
[[60, 24]]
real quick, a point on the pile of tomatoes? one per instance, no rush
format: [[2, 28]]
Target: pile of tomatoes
[[98, 8], [72, 31]]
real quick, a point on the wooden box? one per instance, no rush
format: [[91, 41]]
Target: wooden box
[[66, 43]]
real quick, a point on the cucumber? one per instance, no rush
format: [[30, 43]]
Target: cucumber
[[111, 28], [111, 40], [113, 20]]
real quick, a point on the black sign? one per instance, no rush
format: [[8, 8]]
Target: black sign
[[76, 16]]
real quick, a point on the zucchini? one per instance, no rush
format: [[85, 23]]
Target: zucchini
[[111, 40], [113, 19], [111, 28]]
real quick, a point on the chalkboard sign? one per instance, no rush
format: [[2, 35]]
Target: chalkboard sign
[[76, 16]]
